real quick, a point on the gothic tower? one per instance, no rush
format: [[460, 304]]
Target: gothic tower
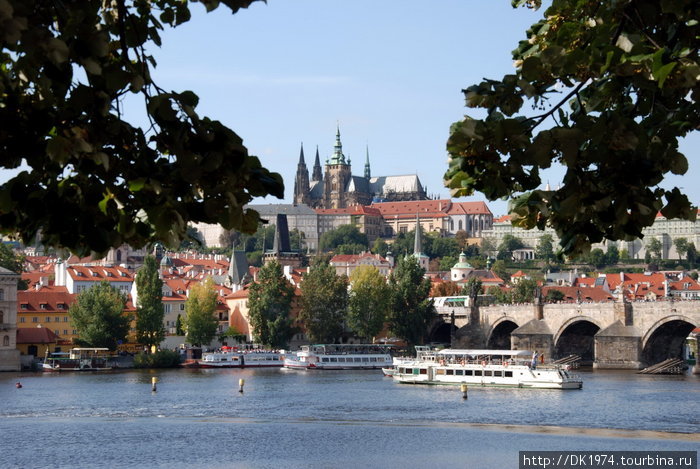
[[301, 182], [368, 174], [318, 172], [337, 177]]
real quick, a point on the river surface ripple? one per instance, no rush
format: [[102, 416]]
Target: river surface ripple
[[198, 418]]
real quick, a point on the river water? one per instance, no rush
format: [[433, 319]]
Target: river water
[[328, 419]]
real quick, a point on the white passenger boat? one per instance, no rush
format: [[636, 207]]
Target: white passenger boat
[[497, 368], [238, 359], [340, 357], [78, 359]]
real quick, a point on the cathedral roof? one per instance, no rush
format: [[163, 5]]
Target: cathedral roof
[[389, 184], [358, 184]]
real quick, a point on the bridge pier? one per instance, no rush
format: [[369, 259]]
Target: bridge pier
[[533, 335], [618, 347]]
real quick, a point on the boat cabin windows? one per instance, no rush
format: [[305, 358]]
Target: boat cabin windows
[[508, 374], [488, 373], [450, 372], [477, 372]]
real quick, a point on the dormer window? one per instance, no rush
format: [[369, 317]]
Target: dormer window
[[44, 306], [25, 306]]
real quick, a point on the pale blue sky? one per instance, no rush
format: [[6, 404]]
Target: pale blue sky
[[389, 72]]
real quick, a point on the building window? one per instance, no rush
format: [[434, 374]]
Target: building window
[[65, 331], [65, 318], [2, 294], [2, 317], [6, 341], [48, 318], [57, 319], [35, 319], [21, 319]]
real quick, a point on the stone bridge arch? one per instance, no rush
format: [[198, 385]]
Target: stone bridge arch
[[576, 336], [665, 339], [441, 331], [498, 336]]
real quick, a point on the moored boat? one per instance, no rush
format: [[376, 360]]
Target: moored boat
[[340, 357], [229, 358], [78, 359], [494, 368]]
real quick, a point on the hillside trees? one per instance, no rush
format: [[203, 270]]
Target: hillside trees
[[200, 322], [66, 68], [613, 86], [99, 317], [411, 310], [345, 238], [368, 302], [149, 311], [270, 301], [324, 302]]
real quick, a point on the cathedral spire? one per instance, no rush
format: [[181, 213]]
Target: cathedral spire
[[317, 174], [367, 171], [418, 241], [301, 155], [301, 181], [338, 157]]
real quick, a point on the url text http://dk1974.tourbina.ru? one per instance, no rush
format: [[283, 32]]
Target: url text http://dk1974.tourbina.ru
[[608, 459]]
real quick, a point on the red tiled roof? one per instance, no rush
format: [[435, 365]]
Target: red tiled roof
[[412, 208], [588, 294], [36, 335], [479, 208], [354, 210], [50, 297], [97, 273]]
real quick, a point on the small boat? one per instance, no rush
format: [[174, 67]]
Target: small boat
[[340, 357], [496, 368], [230, 358], [78, 359]]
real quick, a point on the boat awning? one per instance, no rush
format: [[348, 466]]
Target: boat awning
[[479, 353]]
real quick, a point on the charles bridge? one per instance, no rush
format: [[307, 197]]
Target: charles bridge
[[619, 335]]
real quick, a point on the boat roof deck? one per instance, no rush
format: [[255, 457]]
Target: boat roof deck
[[480, 353]]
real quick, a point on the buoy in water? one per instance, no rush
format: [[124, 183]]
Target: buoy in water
[[154, 380], [18, 385], [464, 391], [241, 382]]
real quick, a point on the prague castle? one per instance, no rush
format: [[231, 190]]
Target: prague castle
[[338, 188]]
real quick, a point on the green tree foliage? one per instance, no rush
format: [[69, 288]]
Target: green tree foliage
[[447, 262], [524, 291], [324, 303], [614, 87], [149, 311], [99, 317], [681, 245], [500, 296], [380, 247], [597, 258], [411, 310], [368, 304], [473, 288], [499, 268], [160, 359], [554, 296], [179, 325], [691, 254], [200, 308], [270, 302], [654, 247], [344, 234], [13, 262], [441, 247], [545, 247], [66, 68], [612, 255], [509, 244], [403, 244]]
